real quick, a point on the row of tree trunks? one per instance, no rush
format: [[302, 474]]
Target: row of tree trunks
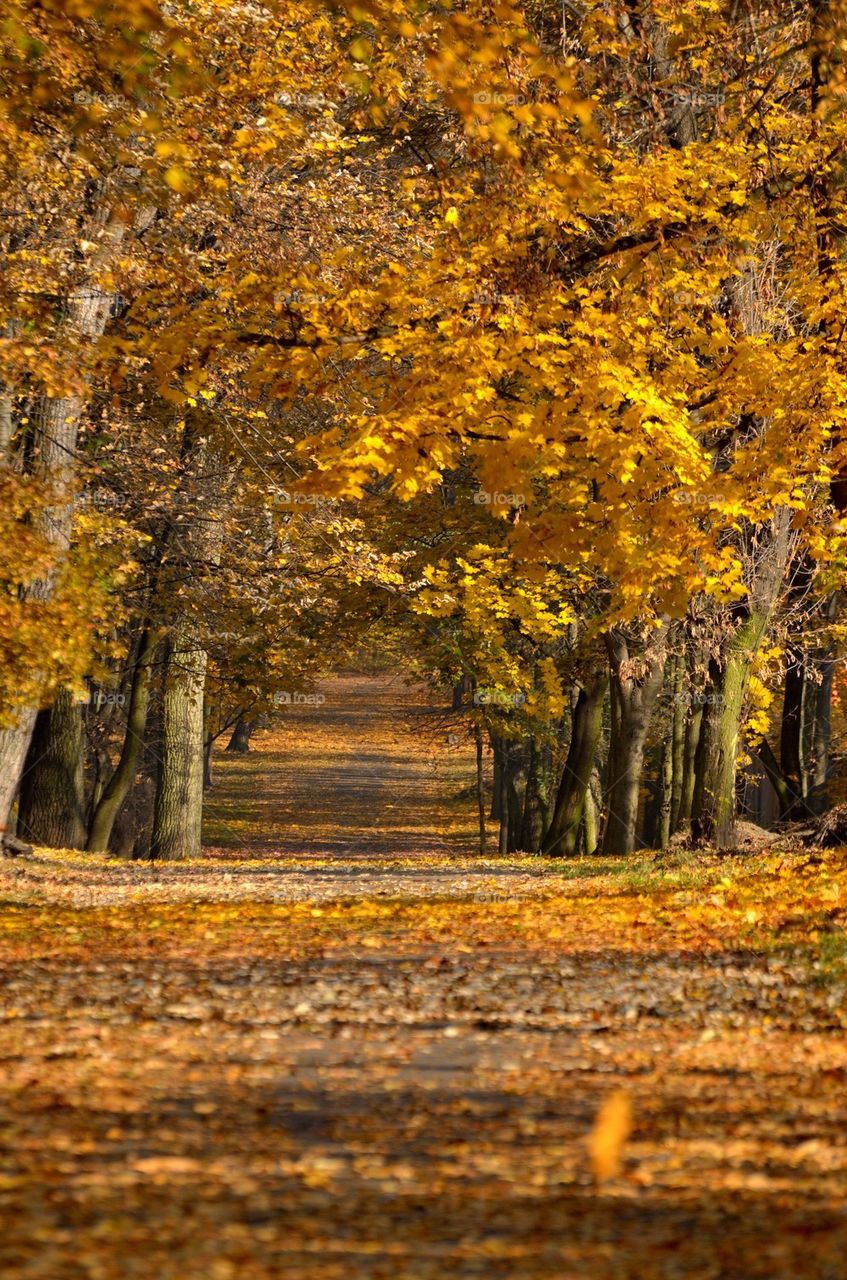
[[696, 778], [51, 805], [696, 758]]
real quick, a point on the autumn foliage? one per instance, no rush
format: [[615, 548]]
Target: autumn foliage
[[492, 348]]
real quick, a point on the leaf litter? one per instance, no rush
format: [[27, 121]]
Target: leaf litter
[[420, 1065]]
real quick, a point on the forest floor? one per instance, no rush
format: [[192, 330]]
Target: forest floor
[[345, 1046]]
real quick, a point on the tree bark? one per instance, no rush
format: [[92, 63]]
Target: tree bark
[[119, 785], [501, 750], [792, 731], [769, 763], [240, 738], [677, 743], [562, 837], [817, 802], [532, 827], [462, 687], [14, 743], [51, 811], [497, 789], [663, 826], [517, 780], [714, 816], [714, 819], [480, 786], [590, 817], [633, 701], [690, 757], [178, 815], [208, 746], [52, 454]]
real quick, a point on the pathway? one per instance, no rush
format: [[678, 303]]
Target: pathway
[[345, 1047]]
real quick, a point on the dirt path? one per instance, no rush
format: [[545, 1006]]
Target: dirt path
[[372, 770], [347, 1050]]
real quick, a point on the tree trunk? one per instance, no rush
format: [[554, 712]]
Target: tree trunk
[[497, 788], [178, 814], [501, 750], [14, 742], [715, 801], [178, 808], [208, 745], [101, 766], [532, 827], [53, 442], [240, 739], [775, 776], [51, 811], [792, 732], [462, 687], [590, 816], [677, 743], [714, 818], [562, 837], [633, 702], [693, 729], [663, 826], [119, 785], [820, 770], [480, 786], [517, 780]]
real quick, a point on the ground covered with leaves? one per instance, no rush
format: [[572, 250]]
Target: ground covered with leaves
[[359, 1061]]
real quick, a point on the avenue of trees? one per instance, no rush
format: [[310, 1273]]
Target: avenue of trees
[[508, 337]]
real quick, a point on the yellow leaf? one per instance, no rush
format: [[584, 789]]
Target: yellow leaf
[[361, 50], [612, 1127], [451, 217], [178, 179]]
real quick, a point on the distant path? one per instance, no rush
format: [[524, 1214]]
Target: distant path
[[375, 770], [369, 793]]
